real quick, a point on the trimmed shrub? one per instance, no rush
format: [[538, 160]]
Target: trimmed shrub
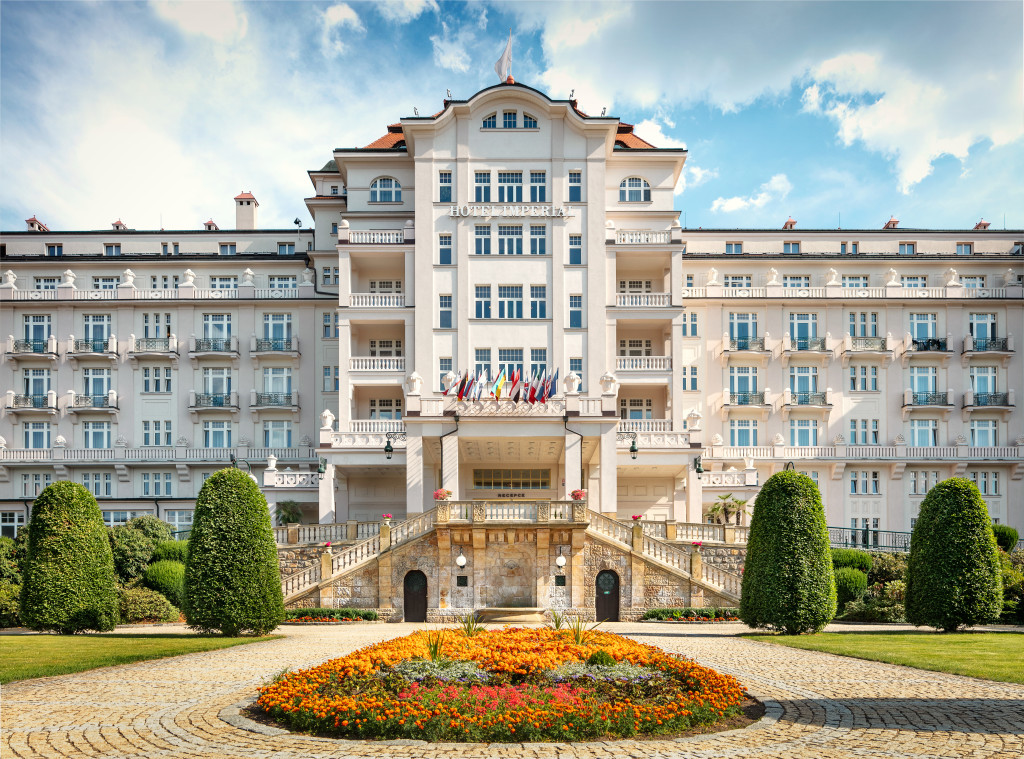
[[1013, 589], [9, 614], [369, 615], [153, 528], [232, 580], [69, 581], [10, 572], [170, 550], [168, 578], [145, 605], [882, 603], [601, 658], [788, 581], [851, 557], [687, 612], [851, 584], [131, 550], [1006, 536], [888, 567], [954, 577]]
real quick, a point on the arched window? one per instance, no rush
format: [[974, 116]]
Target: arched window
[[385, 190], [529, 122], [634, 190], [491, 122]]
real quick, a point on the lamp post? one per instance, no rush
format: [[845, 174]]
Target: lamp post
[[628, 436]]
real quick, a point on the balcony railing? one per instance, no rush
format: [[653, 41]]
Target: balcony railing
[[807, 343], [987, 344], [274, 344], [642, 237], [377, 364], [876, 540], [153, 345], [92, 346], [643, 363], [42, 401], [94, 401], [928, 344], [809, 399], [376, 300], [643, 300], [746, 344], [31, 346], [214, 400], [213, 345], [376, 425], [928, 399], [746, 399], [645, 425], [377, 236], [274, 399], [990, 399], [867, 344]]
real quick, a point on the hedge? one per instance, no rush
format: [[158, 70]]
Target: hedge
[[10, 572], [954, 578], [168, 578], [1006, 536], [69, 583], [232, 580], [692, 612], [851, 557], [851, 584], [887, 567], [145, 605], [170, 550], [131, 550], [153, 528], [9, 614], [788, 581], [366, 614]]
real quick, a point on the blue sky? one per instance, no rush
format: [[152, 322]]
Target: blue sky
[[159, 113]]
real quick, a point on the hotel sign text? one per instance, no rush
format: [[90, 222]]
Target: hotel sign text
[[490, 211]]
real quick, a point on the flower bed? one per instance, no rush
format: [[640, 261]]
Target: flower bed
[[687, 614], [325, 616], [508, 685]]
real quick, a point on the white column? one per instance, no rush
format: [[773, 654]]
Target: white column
[[414, 471], [609, 472], [694, 498], [326, 510], [450, 473], [573, 462]]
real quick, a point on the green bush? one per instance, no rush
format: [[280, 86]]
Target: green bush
[[887, 567], [882, 603], [851, 557], [145, 605], [1013, 589], [10, 572], [131, 550], [369, 615], [601, 658], [851, 584], [69, 583], [954, 578], [168, 578], [170, 550], [232, 580], [153, 528], [687, 612], [788, 581], [9, 614], [1006, 536]]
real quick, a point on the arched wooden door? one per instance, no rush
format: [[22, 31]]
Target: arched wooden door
[[607, 606], [415, 596]]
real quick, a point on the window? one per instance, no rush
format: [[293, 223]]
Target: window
[[175, 247], [864, 483], [386, 408], [690, 324], [508, 119], [156, 432], [737, 280], [973, 281], [983, 433], [802, 328], [223, 283], [334, 189], [334, 228], [216, 326], [37, 331], [636, 408], [330, 332], [55, 250], [803, 380], [327, 275], [634, 285], [490, 122], [120, 518], [105, 283], [510, 187], [987, 482], [923, 379], [575, 186], [483, 301], [529, 122], [924, 433], [538, 186], [100, 485], [693, 378], [812, 474], [482, 186], [916, 281], [385, 348], [444, 250], [510, 301], [575, 312], [482, 368], [283, 282], [802, 280], [444, 184], [635, 347], [576, 365], [97, 384], [538, 302], [922, 481], [286, 248], [538, 240], [742, 432], [906, 248], [164, 282], [385, 190], [217, 434], [445, 311], [510, 240], [733, 248], [156, 379], [922, 326], [964, 249], [277, 380], [855, 280], [575, 250], [803, 432], [37, 435], [982, 327], [444, 365], [863, 432], [112, 250], [156, 325], [512, 479], [791, 248], [37, 385], [329, 383], [983, 380], [848, 249], [278, 327], [32, 485], [510, 359], [742, 382], [742, 329], [226, 249], [47, 283], [156, 483], [634, 190], [538, 362], [180, 520], [864, 379], [863, 324], [277, 434], [483, 239], [217, 381]]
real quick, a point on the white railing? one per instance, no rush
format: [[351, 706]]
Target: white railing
[[366, 530], [376, 236], [510, 512], [376, 300], [696, 532], [275, 293], [694, 292], [376, 425], [742, 534], [729, 583], [353, 556], [871, 452], [207, 292], [744, 452], [301, 580], [33, 294], [667, 554], [643, 300], [377, 364], [410, 529], [808, 452], [737, 479], [645, 425], [94, 295], [208, 454], [293, 480], [461, 511], [285, 454], [321, 533], [931, 452], [741, 292], [611, 528], [643, 363], [998, 452], [561, 511], [642, 237], [654, 529]]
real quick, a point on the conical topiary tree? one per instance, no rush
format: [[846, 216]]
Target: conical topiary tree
[[69, 582], [788, 583], [954, 577], [232, 580]]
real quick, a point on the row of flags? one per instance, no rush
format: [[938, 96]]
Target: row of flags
[[510, 385]]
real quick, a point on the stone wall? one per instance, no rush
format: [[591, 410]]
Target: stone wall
[[729, 558], [294, 559], [422, 555]]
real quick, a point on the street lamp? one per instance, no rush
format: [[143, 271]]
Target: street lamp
[[790, 466], [633, 446], [697, 467], [390, 449], [235, 460]]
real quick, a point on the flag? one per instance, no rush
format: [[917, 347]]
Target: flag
[[470, 382], [499, 383], [554, 384], [517, 386], [545, 388], [532, 396], [462, 385], [504, 65]]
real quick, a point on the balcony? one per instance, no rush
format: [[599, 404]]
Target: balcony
[[266, 401], [282, 347], [374, 236], [999, 348], [152, 347], [43, 402], [658, 364], [868, 347], [748, 401], [922, 344], [748, 348], [386, 364], [376, 300], [937, 400], [366, 434], [32, 349], [147, 455], [1001, 403], [101, 348], [212, 347], [806, 400], [202, 402], [645, 425], [935, 348], [807, 348], [103, 402], [643, 300], [651, 434], [643, 237]]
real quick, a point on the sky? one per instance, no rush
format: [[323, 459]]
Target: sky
[[834, 113]]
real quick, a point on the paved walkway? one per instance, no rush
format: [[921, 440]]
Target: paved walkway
[[819, 706]]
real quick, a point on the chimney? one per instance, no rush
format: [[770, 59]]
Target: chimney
[[245, 211], [892, 223], [982, 225], [119, 226], [34, 225], [790, 223], [211, 226]]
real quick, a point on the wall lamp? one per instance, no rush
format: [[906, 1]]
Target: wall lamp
[[460, 560], [390, 449], [235, 460], [697, 467], [632, 447], [560, 560], [790, 466], [321, 467]]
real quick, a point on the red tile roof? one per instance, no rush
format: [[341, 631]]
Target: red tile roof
[[245, 196], [395, 138]]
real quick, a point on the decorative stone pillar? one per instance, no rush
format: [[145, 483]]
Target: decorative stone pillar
[[638, 537]]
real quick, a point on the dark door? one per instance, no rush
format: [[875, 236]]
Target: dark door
[[607, 596], [416, 597]]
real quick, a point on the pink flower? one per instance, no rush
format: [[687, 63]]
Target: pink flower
[[328, 544], [637, 517], [385, 516], [698, 543]]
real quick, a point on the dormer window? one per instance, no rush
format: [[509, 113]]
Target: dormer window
[[529, 122], [491, 122], [385, 190], [634, 190], [509, 120]]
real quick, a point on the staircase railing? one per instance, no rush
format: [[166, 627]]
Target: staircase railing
[[611, 528], [353, 556]]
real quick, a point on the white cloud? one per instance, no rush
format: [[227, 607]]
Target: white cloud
[[776, 188], [698, 176], [335, 20], [450, 52], [651, 130], [404, 11], [222, 22]]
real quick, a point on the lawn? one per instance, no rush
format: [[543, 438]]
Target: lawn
[[991, 656], [27, 656]]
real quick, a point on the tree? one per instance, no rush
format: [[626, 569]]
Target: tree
[[153, 528], [726, 507], [288, 512], [132, 551], [69, 584], [788, 582], [954, 578], [232, 580]]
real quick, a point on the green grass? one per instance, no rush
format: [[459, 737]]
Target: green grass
[[26, 656], [991, 656]]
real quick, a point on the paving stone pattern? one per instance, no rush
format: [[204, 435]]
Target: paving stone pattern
[[819, 706]]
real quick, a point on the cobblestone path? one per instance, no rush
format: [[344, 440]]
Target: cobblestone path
[[819, 706]]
